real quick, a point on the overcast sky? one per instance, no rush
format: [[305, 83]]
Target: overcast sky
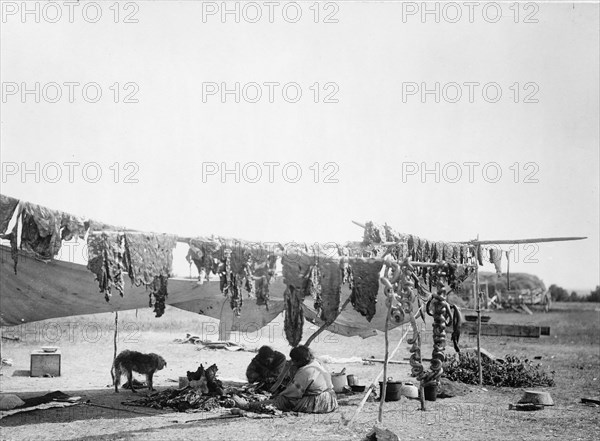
[[371, 130]]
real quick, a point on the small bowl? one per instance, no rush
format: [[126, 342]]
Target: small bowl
[[49, 348], [535, 397], [357, 388]]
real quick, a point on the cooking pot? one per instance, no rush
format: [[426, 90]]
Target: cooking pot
[[409, 390]]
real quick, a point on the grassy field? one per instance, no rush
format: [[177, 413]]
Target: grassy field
[[86, 342]]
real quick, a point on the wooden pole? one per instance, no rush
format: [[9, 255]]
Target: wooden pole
[[327, 323], [385, 362], [116, 334], [508, 270], [378, 360], [478, 251], [516, 241], [500, 241], [370, 388], [487, 295], [363, 226]]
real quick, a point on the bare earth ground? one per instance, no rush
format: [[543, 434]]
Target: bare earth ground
[[572, 351]]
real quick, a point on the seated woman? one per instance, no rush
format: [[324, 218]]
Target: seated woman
[[311, 390], [265, 367]]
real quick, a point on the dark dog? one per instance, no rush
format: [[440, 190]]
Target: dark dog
[[215, 386], [198, 380], [196, 376], [207, 380], [129, 361]]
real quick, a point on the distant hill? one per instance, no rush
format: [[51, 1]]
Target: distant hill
[[517, 281]]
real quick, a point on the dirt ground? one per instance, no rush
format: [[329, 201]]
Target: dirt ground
[[572, 351]]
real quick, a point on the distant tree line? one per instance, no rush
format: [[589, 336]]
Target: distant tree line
[[559, 294]]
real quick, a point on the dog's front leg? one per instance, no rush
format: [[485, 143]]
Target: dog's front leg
[[149, 380]]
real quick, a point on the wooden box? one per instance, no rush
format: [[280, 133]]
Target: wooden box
[[43, 363]]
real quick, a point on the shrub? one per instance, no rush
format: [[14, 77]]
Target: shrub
[[512, 372]]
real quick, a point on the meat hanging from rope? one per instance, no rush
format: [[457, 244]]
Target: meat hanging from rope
[[8, 206], [374, 233], [149, 256], [331, 289], [236, 300], [40, 230], [230, 284], [296, 268], [294, 315], [314, 288], [107, 260], [159, 292], [318, 276], [202, 253], [365, 285], [264, 272]]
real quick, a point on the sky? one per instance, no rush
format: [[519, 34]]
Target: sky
[[337, 117]]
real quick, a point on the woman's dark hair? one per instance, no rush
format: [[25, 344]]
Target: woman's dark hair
[[266, 352], [301, 356]]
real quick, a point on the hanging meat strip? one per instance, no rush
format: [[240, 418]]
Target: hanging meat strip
[[265, 270], [150, 262], [159, 291], [434, 252], [317, 276], [41, 230], [149, 255], [391, 235], [195, 256], [314, 288], [331, 288], [294, 315], [296, 268], [7, 209], [106, 259], [419, 249], [411, 246], [236, 300], [365, 274], [374, 233], [72, 226], [496, 259], [439, 247], [202, 253], [426, 251]]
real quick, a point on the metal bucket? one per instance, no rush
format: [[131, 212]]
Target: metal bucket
[[430, 392], [392, 390], [338, 381]]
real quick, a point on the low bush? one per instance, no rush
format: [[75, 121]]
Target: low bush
[[511, 372]]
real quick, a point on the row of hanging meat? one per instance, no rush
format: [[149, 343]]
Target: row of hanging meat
[[146, 258], [417, 249], [242, 267]]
